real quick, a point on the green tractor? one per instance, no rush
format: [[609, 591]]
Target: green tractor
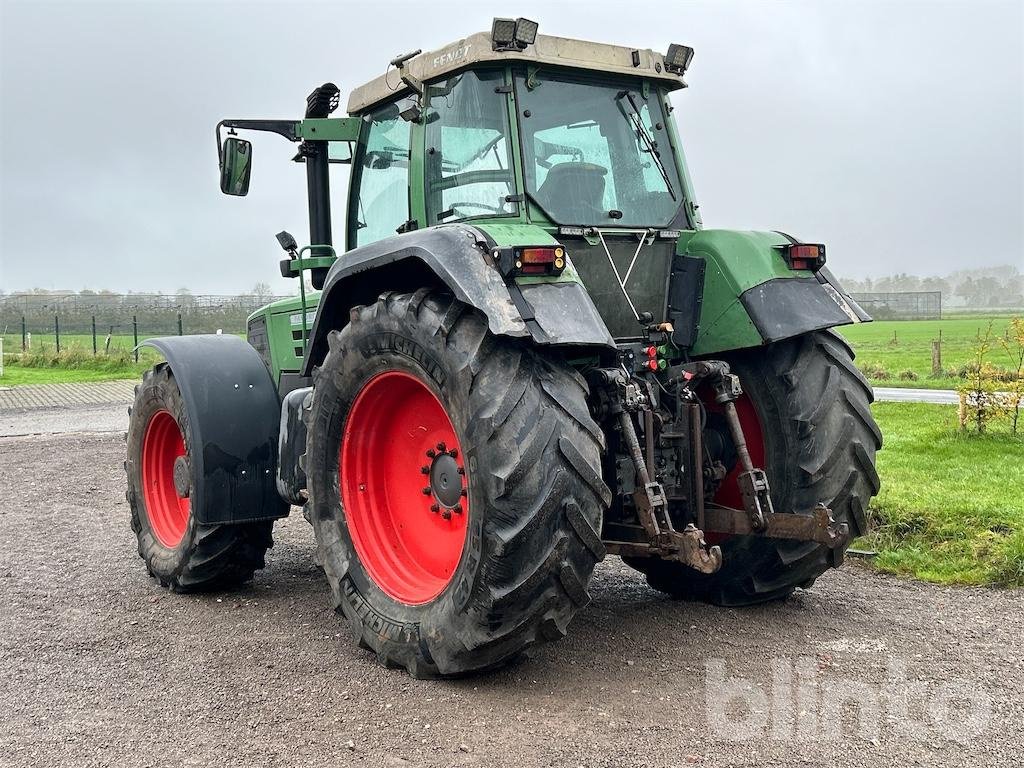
[[528, 354]]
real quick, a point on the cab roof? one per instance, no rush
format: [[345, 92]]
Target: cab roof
[[547, 50]]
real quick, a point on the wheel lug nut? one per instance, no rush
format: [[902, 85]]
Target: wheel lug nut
[[425, 470], [461, 471], [447, 514], [427, 491], [441, 447], [463, 493], [457, 509], [431, 453], [453, 453], [435, 507]]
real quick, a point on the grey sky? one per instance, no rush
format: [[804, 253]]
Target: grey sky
[[893, 132]]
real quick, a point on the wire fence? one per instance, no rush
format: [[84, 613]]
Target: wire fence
[[906, 305], [115, 323]]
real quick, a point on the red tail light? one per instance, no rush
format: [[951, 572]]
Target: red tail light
[[809, 256], [532, 260]]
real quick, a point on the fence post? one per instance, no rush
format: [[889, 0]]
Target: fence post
[[24, 335], [179, 325], [135, 336], [56, 331], [94, 335], [937, 358]]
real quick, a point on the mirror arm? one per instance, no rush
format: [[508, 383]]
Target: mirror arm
[[287, 128]]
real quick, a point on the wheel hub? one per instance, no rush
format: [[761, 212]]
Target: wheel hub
[[445, 478], [182, 480]]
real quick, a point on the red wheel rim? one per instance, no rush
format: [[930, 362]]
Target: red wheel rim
[[728, 494], [167, 511], [404, 487]]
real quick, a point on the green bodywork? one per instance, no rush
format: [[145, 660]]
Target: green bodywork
[[735, 260]]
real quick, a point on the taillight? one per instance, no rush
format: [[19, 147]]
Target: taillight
[[806, 256], [531, 260]]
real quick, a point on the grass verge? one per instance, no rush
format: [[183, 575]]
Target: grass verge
[[73, 365], [898, 346], [951, 508]]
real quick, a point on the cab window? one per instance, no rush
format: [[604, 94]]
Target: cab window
[[381, 183], [467, 163]]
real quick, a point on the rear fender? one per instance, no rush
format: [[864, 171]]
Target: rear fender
[[751, 296], [233, 417], [457, 258]]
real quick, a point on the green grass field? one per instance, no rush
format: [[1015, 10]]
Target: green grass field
[[901, 345], [951, 508]]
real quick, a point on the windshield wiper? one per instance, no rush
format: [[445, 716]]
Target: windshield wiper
[[634, 119]]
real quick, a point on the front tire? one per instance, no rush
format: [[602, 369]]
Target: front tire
[[181, 553], [806, 415], [414, 394]]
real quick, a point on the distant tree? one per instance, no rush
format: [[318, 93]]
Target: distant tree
[[262, 291], [183, 292], [968, 289], [935, 284]]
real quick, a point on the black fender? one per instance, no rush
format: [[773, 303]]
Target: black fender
[[233, 414], [456, 257]]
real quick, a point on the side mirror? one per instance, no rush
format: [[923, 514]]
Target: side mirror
[[235, 166]]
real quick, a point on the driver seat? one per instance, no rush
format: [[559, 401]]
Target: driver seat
[[575, 190]]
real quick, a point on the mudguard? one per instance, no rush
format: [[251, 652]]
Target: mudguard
[[751, 296], [233, 414], [457, 257]]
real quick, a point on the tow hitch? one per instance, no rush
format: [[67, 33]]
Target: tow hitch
[[758, 517]]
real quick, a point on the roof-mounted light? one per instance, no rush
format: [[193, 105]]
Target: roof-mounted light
[[323, 100], [678, 58], [513, 34]]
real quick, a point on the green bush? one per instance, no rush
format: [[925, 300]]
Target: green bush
[[908, 375], [875, 371]]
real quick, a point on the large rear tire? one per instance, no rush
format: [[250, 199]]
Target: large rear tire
[[455, 486], [179, 552], [806, 414]]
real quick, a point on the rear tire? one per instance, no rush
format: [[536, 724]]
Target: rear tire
[[819, 442], [179, 552], [531, 515]]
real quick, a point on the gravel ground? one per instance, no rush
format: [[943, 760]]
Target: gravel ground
[[101, 667]]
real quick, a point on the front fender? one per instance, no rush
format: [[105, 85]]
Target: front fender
[[455, 257], [751, 296], [233, 419]]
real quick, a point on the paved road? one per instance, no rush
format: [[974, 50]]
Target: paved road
[[62, 408], [907, 395], [101, 667], [101, 407]]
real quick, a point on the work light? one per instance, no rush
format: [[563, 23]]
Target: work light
[[526, 32], [513, 34], [678, 58], [503, 32]]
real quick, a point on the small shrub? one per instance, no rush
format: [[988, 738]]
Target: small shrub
[[875, 371], [908, 375], [981, 401]]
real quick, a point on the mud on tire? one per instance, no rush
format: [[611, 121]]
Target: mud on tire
[[535, 494], [207, 556], [820, 443]]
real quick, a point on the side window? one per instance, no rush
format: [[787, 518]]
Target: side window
[[467, 162], [382, 199]]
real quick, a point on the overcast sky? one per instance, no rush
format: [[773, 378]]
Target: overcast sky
[[892, 132]]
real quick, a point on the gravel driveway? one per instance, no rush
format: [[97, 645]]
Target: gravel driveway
[[101, 667]]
